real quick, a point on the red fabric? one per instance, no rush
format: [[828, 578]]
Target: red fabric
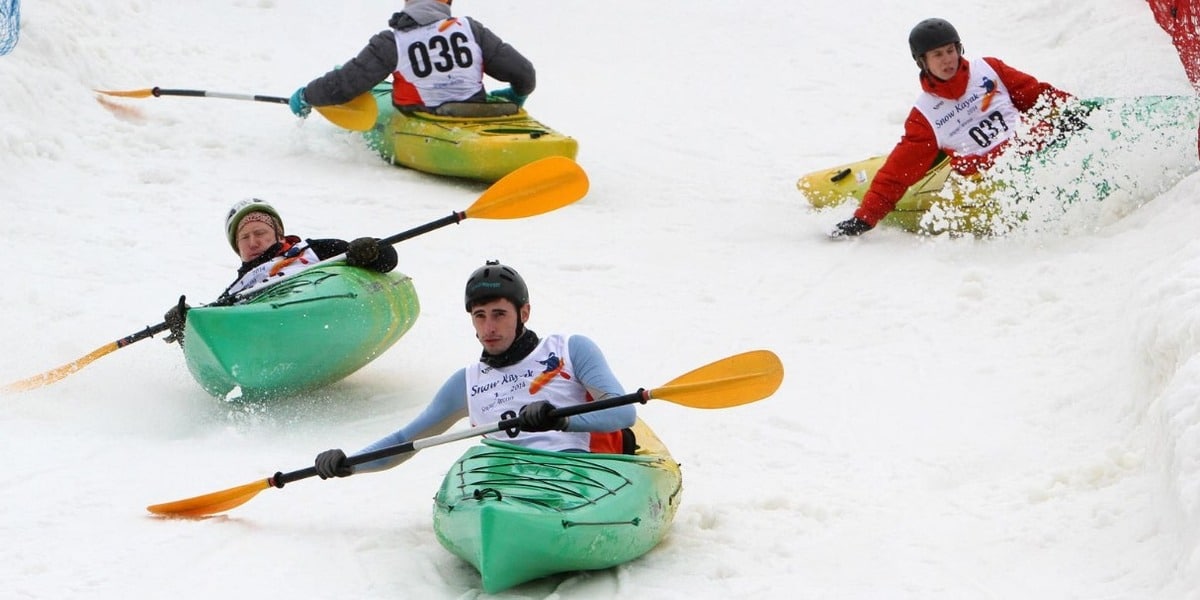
[[1181, 20], [917, 150], [403, 92], [607, 443]]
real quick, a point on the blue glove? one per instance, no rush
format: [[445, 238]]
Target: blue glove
[[300, 107], [508, 95]]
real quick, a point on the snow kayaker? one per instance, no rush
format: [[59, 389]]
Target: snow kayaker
[[435, 61], [968, 109], [518, 375], [255, 232]]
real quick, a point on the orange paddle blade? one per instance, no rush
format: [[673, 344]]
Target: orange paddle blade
[[213, 503], [146, 93], [358, 114], [538, 187], [55, 374], [732, 381]]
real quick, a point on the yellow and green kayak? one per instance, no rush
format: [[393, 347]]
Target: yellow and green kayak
[[1139, 145], [311, 330], [483, 148], [517, 514]]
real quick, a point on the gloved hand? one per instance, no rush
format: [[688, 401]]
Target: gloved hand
[[332, 463], [536, 417], [508, 95], [850, 228], [1073, 117], [362, 251], [176, 318], [300, 107]]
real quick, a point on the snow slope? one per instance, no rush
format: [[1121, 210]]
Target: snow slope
[[960, 418]]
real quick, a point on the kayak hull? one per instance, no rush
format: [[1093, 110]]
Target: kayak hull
[[517, 514], [309, 331], [483, 148]]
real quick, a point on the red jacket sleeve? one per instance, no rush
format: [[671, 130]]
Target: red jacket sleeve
[[908, 162], [1024, 88]]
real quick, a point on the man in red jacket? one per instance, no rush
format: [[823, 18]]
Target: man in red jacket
[[969, 109]]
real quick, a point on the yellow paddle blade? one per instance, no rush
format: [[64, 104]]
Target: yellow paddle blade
[[358, 114], [538, 187], [733, 381], [213, 503], [146, 93], [55, 374]]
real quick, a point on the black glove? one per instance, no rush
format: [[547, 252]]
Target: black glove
[[332, 463], [176, 318], [537, 417], [851, 228], [1072, 118], [362, 252]]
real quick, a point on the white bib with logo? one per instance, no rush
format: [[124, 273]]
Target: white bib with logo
[[982, 119], [495, 394]]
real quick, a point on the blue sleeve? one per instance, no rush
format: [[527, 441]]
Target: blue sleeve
[[591, 368], [447, 407]]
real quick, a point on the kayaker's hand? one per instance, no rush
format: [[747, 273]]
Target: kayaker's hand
[[300, 107], [332, 463], [851, 228], [509, 95], [176, 318], [536, 417], [362, 252]]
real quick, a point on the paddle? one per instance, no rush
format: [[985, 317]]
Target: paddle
[[731, 381], [538, 187], [55, 374], [358, 114]]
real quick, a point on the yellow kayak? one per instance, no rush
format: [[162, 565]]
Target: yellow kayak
[[483, 147], [1091, 165]]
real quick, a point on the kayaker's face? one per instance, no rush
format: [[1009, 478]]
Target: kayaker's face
[[942, 62], [254, 238], [496, 323]]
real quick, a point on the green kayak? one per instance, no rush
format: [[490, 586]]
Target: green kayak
[[309, 331], [517, 514], [1134, 149]]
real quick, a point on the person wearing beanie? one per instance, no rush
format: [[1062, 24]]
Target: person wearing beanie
[[255, 231], [433, 58]]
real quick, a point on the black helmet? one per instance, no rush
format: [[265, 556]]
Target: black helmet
[[930, 34], [494, 280]]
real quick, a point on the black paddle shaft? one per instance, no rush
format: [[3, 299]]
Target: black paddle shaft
[[280, 479]]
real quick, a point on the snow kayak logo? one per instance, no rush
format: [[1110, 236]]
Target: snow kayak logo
[[989, 90], [554, 368]]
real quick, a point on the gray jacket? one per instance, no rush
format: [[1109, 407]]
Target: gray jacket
[[377, 61]]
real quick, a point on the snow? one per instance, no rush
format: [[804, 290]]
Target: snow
[[960, 418]]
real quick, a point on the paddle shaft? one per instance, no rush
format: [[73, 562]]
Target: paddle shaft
[[143, 334], [280, 479], [157, 92]]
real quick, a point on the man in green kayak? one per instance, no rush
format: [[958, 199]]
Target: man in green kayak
[[518, 375], [968, 109], [255, 232], [433, 59]]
